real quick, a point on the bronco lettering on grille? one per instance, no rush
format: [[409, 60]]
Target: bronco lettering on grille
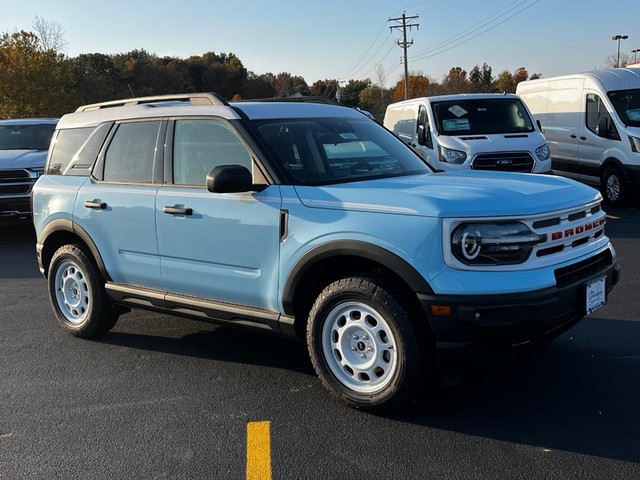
[[570, 232]]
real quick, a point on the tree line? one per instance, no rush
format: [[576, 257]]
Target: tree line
[[38, 81]]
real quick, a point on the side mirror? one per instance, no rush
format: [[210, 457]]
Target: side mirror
[[229, 179], [424, 136], [602, 130]]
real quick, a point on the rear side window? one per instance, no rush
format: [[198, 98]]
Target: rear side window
[[75, 150], [131, 154]]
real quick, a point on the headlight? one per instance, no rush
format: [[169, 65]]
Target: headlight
[[36, 172], [635, 144], [449, 155], [543, 152], [493, 243]]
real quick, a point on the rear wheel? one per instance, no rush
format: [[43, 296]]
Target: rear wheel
[[77, 294], [364, 346], [613, 186]]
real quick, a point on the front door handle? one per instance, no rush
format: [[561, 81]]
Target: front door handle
[[178, 210], [95, 204], [582, 137], [573, 135]]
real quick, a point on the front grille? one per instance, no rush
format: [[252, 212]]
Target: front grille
[[15, 182], [504, 162], [584, 269]]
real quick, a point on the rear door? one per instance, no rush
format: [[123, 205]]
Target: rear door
[[116, 206]]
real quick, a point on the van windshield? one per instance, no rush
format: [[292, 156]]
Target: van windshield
[[322, 151], [482, 116], [627, 105]]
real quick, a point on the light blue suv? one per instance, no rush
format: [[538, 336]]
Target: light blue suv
[[314, 222]]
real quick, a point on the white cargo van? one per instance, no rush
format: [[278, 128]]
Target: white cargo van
[[592, 123], [485, 131]]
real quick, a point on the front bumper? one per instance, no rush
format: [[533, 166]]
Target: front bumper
[[512, 320]]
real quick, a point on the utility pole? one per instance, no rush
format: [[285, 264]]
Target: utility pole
[[402, 23]]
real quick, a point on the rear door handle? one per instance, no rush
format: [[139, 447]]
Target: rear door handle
[[95, 204], [582, 137], [178, 210]]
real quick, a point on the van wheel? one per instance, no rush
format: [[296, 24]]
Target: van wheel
[[363, 345], [613, 186], [77, 294]]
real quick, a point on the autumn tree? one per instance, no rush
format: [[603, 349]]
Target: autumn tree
[[418, 87], [283, 85], [50, 33], [456, 81], [481, 79], [96, 79], [324, 88], [504, 82], [350, 93], [35, 82]]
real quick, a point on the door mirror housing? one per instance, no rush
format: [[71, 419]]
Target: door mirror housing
[[602, 130], [424, 136], [229, 179]]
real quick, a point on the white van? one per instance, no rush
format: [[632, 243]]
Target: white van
[[592, 123], [484, 131]]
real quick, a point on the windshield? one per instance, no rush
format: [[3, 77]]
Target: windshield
[[627, 104], [26, 137], [321, 151], [481, 116]]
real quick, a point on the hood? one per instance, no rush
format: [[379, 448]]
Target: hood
[[494, 142], [22, 158], [453, 194]]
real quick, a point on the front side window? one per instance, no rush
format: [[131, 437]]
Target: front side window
[[322, 151], [594, 111], [131, 153], [26, 137], [482, 116], [201, 145], [627, 105]]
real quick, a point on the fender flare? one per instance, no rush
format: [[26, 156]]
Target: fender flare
[[66, 225], [352, 248]]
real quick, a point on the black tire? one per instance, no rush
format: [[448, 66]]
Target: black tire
[[614, 189], [77, 294], [364, 346]]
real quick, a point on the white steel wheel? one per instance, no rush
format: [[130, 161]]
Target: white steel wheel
[[72, 292], [359, 347], [364, 346], [77, 294]]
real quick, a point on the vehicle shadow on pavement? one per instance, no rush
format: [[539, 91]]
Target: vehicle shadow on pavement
[[208, 341], [579, 393], [17, 243]]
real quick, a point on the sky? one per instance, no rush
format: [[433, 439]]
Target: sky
[[348, 39]]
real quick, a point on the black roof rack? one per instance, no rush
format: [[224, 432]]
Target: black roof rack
[[207, 99]]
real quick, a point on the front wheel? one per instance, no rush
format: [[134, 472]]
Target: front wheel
[[613, 186], [77, 294], [364, 346]]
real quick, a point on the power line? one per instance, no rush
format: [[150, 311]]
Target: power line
[[450, 44], [366, 52]]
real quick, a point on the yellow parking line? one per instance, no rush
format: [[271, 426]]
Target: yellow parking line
[[613, 217], [259, 451]]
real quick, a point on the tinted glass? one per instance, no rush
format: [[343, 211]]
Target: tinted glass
[[75, 150], [595, 110], [627, 104], [201, 145], [26, 137], [482, 116], [336, 150], [131, 153]]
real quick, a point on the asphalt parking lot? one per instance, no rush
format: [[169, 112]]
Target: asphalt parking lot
[[161, 397]]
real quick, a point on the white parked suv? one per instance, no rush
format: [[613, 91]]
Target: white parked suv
[[23, 151]]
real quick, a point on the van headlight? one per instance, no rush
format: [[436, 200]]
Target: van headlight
[[448, 155], [635, 144], [543, 152], [477, 244]]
